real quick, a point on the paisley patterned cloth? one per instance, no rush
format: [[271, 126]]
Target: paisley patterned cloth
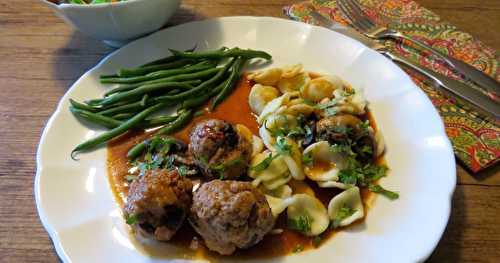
[[476, 142]]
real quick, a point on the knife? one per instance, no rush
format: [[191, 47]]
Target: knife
[[461, 92]]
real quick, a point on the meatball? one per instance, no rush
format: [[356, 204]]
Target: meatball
[[230, 214], [159, 201], [219, 150]]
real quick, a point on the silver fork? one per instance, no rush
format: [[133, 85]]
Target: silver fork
[[360, 21]]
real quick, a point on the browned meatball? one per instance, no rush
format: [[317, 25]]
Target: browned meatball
[[230, 214], [159, 201], [219, 150]]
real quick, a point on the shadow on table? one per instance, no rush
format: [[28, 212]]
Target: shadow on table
[[81, 52], [449, 248]]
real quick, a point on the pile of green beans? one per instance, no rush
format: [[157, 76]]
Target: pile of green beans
[[186, 79]]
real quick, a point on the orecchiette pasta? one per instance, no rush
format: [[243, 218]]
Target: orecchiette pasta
[[291, 71], [260, 95], [320, 88], [295, 83], [309, 207], [350, 199], [267, 77]]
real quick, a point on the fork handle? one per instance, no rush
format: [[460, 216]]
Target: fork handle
[[491, 87]]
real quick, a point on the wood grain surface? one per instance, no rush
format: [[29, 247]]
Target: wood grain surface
[[41, 56]]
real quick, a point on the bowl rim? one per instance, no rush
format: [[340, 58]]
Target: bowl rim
[[89, 6]]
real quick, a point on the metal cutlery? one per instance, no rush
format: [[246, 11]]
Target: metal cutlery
[[460, 91], [360, 21]]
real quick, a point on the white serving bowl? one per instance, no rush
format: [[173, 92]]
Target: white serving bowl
[[117, 23]]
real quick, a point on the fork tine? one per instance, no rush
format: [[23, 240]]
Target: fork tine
[[356, 8], [348, 13]]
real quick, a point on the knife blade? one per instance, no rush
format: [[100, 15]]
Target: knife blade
[[464, 94]]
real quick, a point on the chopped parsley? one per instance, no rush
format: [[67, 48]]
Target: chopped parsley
[[264, 163], [222, 167], [298, 248], [316, 241], [301, 224], [307, 159], [380, 190], [183, 170], [343, 213], [282, 146], [131, 219]]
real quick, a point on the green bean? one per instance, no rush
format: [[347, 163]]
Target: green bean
[[141, 91], [158, 120], [159, 74], [165, 59], [200, 100], [147, 69], [95, 118], [82, 106], [124, 127], [217, 54], [198, 89], [109, 76], [144, 100], [183, 118], [132, 107], [123, 116], [130, 87], [137, 150], [180, 121], [233, 78]]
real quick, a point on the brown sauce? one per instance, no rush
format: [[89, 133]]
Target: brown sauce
[[234, 109]]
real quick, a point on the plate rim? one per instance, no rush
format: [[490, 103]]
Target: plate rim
[[54, 236]]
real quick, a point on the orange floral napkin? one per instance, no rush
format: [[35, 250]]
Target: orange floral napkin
[[476, 142]]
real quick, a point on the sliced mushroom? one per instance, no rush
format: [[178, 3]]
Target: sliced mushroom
[[350, 199], [306, 206]]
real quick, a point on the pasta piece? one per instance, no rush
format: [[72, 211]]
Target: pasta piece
[[291, 71], [274, 105], [244, 132], [379, 143], [325, 166], [295, 83], [267, 139], [261, 95], [322, 87], [277, 182], [349, 200], [294, 160], [278, 205], [309, 209], [257, 145], [333, 184], [267, 77]]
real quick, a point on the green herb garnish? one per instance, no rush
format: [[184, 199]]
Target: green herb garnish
[[298, 248], [343, 213], [380, 190], [183, 170], [282, 146], [264, 163], [307, 159], [301, 224], [131, 219], [317, 241]]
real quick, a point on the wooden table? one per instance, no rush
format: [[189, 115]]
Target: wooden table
[[40, 57]]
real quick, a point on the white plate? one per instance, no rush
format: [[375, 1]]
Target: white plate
[[77, 208]]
